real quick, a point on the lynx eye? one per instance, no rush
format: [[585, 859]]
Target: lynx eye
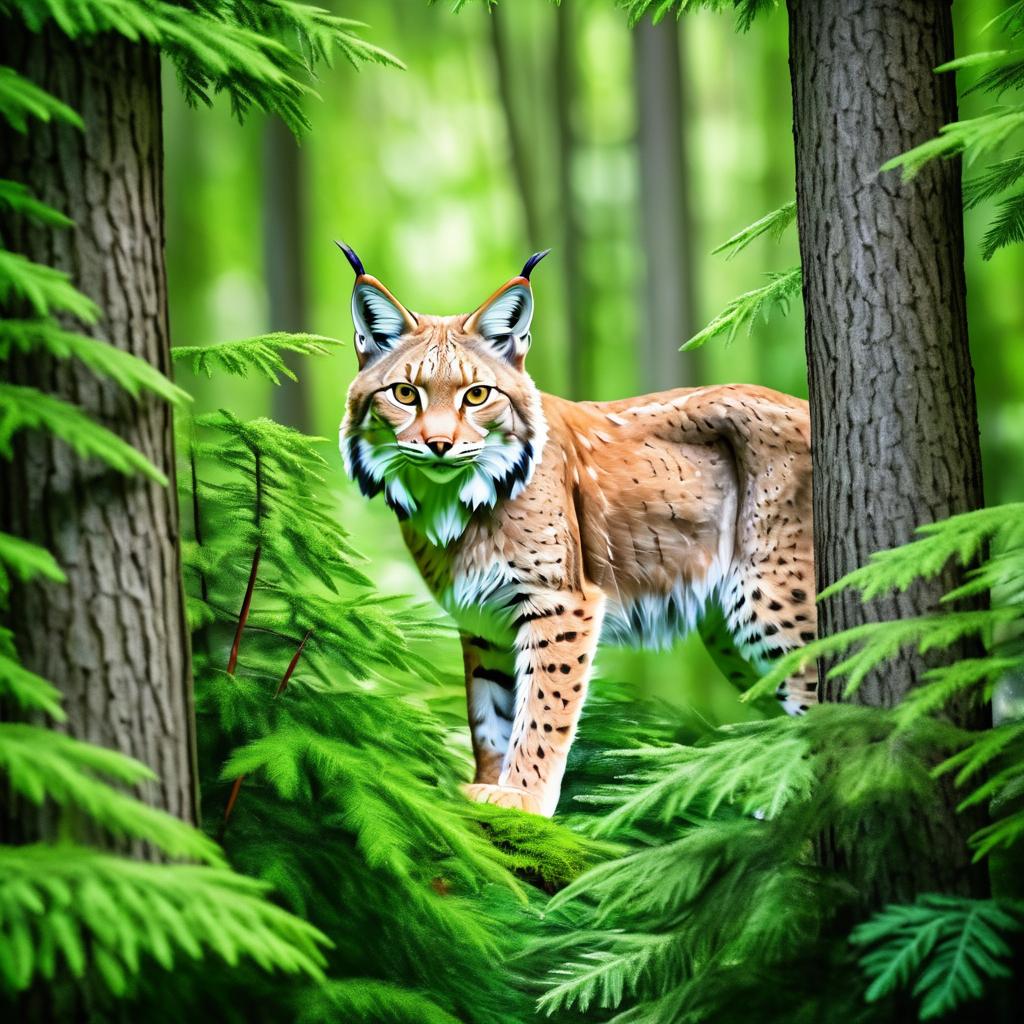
[[476, 395], [405, 393]]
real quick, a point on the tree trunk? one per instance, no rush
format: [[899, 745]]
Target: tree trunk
[[516, 130], [893, 414], [285, 264], [114, 638], [580, 361], [666, 221]]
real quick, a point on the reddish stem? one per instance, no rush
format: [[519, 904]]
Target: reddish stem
[[236, 786], [243, 615], [291, 665]]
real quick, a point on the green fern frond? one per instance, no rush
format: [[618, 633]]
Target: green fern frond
[[604, 977], [133, 374], [21, 99], [261, 355], [68, 908], [946, 946], [755, 767], [973, 138], [746, 10], [773, 224], [26, 561], [24, 408], [43, 765], [939, 686], [369, 1001], [16, 198], [1007, 227], [781, 289], [874, 643], [29, 691], [962, 537], [998, 178], [46, 290], [224, 46]]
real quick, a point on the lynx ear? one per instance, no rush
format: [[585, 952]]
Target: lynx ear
[[503, 321], [379, 318]]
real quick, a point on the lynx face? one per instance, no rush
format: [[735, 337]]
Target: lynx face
[[442, 417]]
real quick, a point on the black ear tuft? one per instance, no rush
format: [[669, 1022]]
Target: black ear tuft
[[354, 261], [532, 262]]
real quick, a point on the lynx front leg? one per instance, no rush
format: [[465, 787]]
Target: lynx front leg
[[490, 692], [556, 642]]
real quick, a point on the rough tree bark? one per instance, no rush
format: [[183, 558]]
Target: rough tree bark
[[114, 638], [285, 265], [666, 221], [894, 420]]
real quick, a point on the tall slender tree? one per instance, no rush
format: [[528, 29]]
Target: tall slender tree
[[564, 60], [285, 263], [894, 421], [666, 223]]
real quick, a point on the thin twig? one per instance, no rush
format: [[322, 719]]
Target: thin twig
[[236, 786]]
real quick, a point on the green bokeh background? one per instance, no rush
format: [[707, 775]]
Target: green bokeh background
[[412, 167]]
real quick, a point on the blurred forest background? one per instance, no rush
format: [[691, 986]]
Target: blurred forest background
[[512, 130]]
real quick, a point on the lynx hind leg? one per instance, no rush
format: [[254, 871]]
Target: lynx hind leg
[[490, 701], [768, 611]]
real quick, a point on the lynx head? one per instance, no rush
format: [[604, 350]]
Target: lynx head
[[442, 416]]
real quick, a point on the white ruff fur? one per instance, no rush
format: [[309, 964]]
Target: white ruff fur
[[441, 510]]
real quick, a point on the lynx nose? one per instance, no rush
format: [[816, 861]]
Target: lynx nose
[[440, 446]]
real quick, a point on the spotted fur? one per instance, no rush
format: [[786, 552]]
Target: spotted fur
[[543, 525]]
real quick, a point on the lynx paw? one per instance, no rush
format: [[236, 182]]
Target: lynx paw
[[503, 796]]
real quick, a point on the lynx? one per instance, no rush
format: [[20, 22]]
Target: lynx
[[543, 525]]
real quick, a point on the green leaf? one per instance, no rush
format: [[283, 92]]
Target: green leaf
[[973, 138], [57, 897], [133, 374], [773, 224], [24, 408], [46, 290], [20, 99], [780, 290], [262, 355], [946, 946], [16, 198]]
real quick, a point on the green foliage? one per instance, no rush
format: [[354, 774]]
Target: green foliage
[[70, 908], [130, 373], [21, 99], [946, 948], [773, 225], [746, 10], [240, 47], [23, 408], [16, 198], [976, 137], [262, 355], [742, 311], [44, 289], [26, 561]]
